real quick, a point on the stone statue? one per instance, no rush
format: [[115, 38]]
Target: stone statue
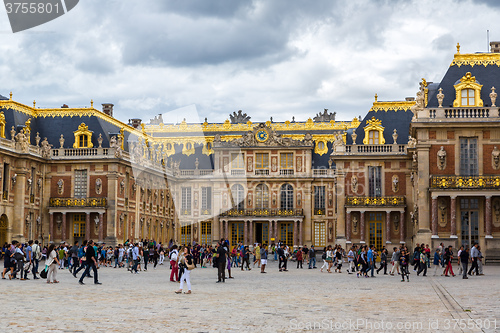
[[196, 163], [325, 116], [23, 141], [37, 139], [395, 183], [12, 133], [440, 97], [493, 96], [495, 158], [46, 148], [99, 140], [60, 186], [61, 141], [239, 118], [354, 184], [441, 154], [98, 186], [353, 137], [412, 142], [395, 136]]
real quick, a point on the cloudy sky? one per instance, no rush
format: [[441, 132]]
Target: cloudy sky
[[278, 58]]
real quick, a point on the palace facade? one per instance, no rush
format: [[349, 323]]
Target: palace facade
[[422, 170]]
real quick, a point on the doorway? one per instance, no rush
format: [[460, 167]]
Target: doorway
[[469, 216], [262, 232], [375, 232], [237, 233]]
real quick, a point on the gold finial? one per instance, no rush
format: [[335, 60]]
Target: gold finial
[[91, 103], [458, 47], [34, 104], [376, 98], [10, 95]]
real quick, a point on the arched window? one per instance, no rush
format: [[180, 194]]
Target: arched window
[[238, 196], [261, 196], [286, 196]]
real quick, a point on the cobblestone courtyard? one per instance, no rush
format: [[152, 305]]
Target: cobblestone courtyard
[[252, 302]]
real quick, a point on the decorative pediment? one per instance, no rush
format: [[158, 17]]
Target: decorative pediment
[[468, 92], [83, 137], [263, 135]]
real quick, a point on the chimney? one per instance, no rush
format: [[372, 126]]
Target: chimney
[[495, 47], [107, 108], [136, 122]]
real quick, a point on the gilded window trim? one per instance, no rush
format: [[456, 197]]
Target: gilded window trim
[[83, 130], [468, 82], [374, 125]]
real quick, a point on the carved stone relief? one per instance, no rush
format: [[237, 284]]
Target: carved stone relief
[[60, 186], [442, 206], [496, 212], [395, 183], [355, 225], [354, 184], [495, 158], [441, 158], [98, 186]]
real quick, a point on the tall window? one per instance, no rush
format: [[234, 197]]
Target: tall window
[[206, 233], [206, 200], [80, 184], [286, 196], [261, 196], [186, 200], [375, 181], [468, 157], [373, 137], [237, 161], [261, 161], [238, 196], [468, 98], [319, 200], [286, 161]]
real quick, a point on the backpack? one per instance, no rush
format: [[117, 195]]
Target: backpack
[[323, 256]]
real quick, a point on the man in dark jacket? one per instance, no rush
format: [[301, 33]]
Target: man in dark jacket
[[91, 262], [464, 261], [221, 261]]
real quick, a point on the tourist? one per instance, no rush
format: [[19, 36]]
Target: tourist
[[383, 262], [246, 258], [28, 253], [282, 257], [459, 261], [371, 260], [263, 259], [8, 263], [52, 262], [312, 257], [145, 255], [339, 253], [329, 258], [222, 261], [437, 261], [395, 260], [350, 260], [135, 258], [186, 259], [37, 255], [91, 261], [423, 263], [480, 260], [404, 258], [416, 258], [474, 257], [448, 258], [75, 261], [464, 260], [173, 263], [256, 252], [299, 258]]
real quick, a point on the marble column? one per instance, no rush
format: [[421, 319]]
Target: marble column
[[434, 217], [51, 226], [226, 229], [221, 230], [245, 233], [402, 225], [453, 223], [300, 233], [251, 240], [488, 217], [362, 226], [101, 227], [63, 237], [348, 226], [276, 231], [388, 227], [87, 226]]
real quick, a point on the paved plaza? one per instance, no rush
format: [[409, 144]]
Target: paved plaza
[[298, 300]]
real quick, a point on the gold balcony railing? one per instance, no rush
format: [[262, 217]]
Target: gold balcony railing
[[375, 201], [74, 202], [263, 212], [465, 182]]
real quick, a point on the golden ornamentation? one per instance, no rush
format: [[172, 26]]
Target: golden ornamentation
[[392, 106], [73, 202], [27, 127], [294, 136], [2, 125], [375, 201], [321, 147], [465, 182], [476, 59], [468, 82], [83, 130], [374, 125], [188, 148]]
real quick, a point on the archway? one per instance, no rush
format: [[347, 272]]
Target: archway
[[4, 224]]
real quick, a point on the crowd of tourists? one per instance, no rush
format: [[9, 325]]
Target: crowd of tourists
[[23, 259]]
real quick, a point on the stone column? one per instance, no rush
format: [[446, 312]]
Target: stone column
[[63, 237], [434, 217], [245, 233], [488, 216], [300, 233], [87, 226], [226, 229], [362, 226], [221, 230], [251, 239], [388, 227], [276, 234], [101, 227], [453, 210], [402, 225], [348, 226], [51, 225], [295, 227]]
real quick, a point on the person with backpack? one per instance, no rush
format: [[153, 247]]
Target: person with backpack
[[173, 262], [37, 255], [312, 257], [186, 264]]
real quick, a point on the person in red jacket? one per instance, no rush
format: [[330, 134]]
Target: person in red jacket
[[299, 257]]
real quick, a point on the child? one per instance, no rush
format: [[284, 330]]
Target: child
[[403, 263]]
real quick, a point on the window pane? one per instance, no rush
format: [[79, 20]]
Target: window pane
[[464, 92]]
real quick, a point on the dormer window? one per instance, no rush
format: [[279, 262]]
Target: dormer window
[[468, 92], [373, 137], [83, 137], [2, 125], [374, 132]]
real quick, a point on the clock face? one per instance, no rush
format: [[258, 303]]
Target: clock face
[[261, 135]]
